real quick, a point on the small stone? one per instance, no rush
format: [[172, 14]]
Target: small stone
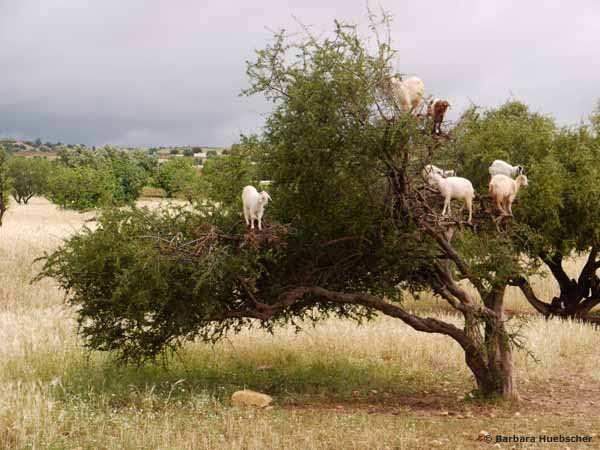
[[444, 413], [250, 398], [483, 436], [436, 443], [517, 414]]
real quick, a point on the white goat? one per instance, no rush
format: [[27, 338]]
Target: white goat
[[430, 169], [504, 189], [254, 205], [407, 93], [455, 187], [504, 168]]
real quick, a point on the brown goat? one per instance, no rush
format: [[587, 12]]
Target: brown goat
[[437, 110]]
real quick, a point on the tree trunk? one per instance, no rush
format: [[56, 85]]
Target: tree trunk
[[492, 361], [499, 379], [577, 296], [496, 379], [499, 350]]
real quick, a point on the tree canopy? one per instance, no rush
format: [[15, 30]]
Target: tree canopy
[[558, 213], [29, 177], [84, 179], [176, 175]]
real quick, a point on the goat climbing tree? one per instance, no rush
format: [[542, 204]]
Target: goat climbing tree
[[351, 230]]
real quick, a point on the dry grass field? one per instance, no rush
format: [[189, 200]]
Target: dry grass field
[[337, 385]]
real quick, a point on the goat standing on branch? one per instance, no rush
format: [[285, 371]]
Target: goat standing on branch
[[504, 168], [504, 189], [408, 94], [455, 187], [254, 205], [430, 169], [437, 111]]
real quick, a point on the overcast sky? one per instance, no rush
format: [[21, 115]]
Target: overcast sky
[[168, 72]]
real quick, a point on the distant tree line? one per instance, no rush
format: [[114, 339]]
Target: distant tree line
[[82, 178]]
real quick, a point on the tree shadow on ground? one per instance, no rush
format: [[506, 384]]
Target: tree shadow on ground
[[289, 378]]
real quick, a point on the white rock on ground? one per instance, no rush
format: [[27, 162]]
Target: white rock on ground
[[250, 398]]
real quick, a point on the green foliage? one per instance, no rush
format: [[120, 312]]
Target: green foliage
[[130, 174], [224, 178], [510, 133], [558, 211], [156, 312], [578, 227], [188, 152], [4, 183], [81, 188], [29, 177], [77, 157], [146, 161], [115, 177], [176, 175]]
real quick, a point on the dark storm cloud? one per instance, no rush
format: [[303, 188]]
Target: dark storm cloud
[[155, 72]]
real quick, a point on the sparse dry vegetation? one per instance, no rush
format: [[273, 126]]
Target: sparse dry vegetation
[[337, 385]]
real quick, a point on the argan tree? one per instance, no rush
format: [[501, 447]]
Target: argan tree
[[558, 212], [29, 177], [352, 228]]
